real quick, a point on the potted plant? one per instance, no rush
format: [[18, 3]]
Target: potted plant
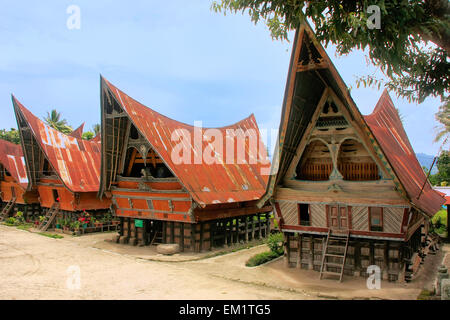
[[97, 223], [19, 217], [66, 225], [41, 220], [75, 226]]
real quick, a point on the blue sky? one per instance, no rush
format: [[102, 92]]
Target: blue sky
[[177, 57]]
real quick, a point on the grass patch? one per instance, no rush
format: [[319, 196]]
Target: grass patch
[[440, 217], [275, 244], [261, 258], [248, 245], [425, 295], [25, 226], [439, 223], [50, 235]]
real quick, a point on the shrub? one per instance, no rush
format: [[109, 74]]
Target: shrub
[[439, 223], [275, 243], [261, 258], [19, 217], [11, 221]]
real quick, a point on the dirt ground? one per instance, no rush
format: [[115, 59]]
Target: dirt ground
[[37, 267]]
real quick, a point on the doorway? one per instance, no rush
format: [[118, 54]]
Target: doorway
[[55, 195], [338, 217]]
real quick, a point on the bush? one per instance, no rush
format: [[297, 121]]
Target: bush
[[19, 217], [11, 221], [261, 258], [275, 243], [439, 223]]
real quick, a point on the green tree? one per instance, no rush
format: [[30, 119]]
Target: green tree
[[88, 135], [53, 119], [411, 48], [443, 165], [11, 135], [97, 128], [443, 116]]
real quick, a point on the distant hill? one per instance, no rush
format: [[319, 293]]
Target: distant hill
[[426, 160]]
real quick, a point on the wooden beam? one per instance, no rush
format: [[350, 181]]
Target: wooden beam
[[130, 164], [182, 236], [203, 215]]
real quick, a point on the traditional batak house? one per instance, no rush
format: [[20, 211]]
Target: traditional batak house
[[14, 183], [162, 188], [64, 169], [348, 189]]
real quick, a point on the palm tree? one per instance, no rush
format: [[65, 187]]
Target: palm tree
[[97, 128], [53, 119], [443, 116]]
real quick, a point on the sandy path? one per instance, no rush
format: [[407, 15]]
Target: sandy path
[[35, 267]]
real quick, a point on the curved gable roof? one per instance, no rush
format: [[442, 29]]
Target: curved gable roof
[[76, 161], [11, 157], [385, 124], [222, 182]]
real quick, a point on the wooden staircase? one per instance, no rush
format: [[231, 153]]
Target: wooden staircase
[[7, 209], [156, 233], [49, 217], [336, 248]]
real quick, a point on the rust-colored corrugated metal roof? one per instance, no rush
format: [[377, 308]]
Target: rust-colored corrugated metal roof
[[11, 157], [445, 192], [76, 161], [78, 132], [385, 124], [222, 182]]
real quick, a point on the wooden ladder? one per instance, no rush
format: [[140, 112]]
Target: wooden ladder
[[157, 234], [7, 209], [335, 241], [49, 217], [157, 238]]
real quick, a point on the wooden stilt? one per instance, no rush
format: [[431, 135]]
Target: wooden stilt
[[230, 231], [287, 249], [225, 232], [259, 226], [253, 227], [201, 237], [246, 229], [193, 237], [212, 231], [237, 229], [164, 231], [182, 236]]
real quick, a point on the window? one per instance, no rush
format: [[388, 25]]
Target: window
[[355, 163], [303, 214], [150, 166], [46, 169], [376, 219], [316, 163], [55, 195]]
